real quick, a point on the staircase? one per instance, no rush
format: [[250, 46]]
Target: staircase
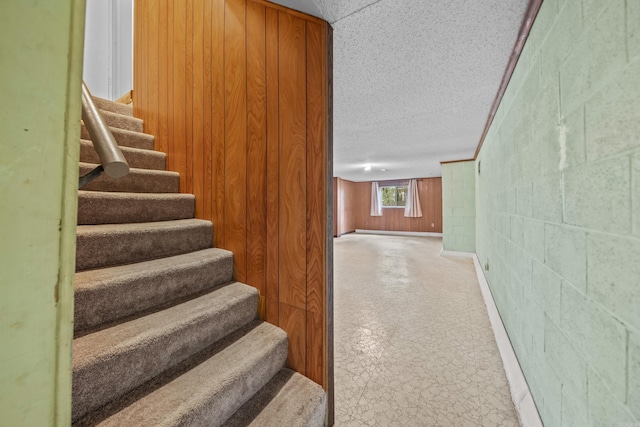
[[163, 335]]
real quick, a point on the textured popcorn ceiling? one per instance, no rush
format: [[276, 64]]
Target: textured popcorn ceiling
[[414, 80]]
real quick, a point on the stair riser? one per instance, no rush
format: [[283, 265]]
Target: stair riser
[[122, 121], [114, 107], [138, 181], [103, 380], [125, 138], [97, 210], [127, 296], [142, 159], [103, 250]]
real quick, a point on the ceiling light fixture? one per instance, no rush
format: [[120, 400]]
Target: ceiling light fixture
[[383, 170], [367, 168]]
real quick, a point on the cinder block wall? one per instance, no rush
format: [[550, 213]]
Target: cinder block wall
[[558, 212], [459, 207]]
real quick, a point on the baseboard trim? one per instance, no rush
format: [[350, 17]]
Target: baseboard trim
[[457, 254], [400, 233], [520, 393]]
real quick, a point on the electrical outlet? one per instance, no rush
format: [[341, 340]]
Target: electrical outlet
[[486, 266], [432, 225]]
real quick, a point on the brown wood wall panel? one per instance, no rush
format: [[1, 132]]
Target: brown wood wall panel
[[235, 122], [218, 123], [162, 90], [256, 148], [316, 198], [354, 205], [237, 94], [293, 175], [273, 152], [197, 114]]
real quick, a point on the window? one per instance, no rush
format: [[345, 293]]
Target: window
[[394, 196]]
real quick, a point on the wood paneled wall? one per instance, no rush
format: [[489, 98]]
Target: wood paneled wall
[[353, 208], [346, 206], [237, 93]]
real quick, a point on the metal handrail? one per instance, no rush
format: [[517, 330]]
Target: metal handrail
[[112, 160]]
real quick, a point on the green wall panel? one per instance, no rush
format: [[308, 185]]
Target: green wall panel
[[558, 212], [41, 43]]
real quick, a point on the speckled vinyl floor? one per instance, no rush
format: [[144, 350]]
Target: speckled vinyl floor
[[413, 342]]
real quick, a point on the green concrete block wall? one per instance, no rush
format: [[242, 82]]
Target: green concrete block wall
[[558, 212], [459, 207], [40, 76]]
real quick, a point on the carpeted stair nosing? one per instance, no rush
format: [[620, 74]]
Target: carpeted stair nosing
[[214, 386], [115, 107], [113, 361], [137, 181], [122, 121], [136, 157], [108, 294], [107, 245], [98, 207], [126, 138], [289, 399]]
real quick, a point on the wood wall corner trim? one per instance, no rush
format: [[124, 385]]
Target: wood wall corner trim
[[525, 28]]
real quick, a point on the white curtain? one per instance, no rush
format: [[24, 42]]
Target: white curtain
[[376, 205], [412, 209]]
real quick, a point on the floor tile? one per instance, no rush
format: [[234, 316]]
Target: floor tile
[[413, 341]]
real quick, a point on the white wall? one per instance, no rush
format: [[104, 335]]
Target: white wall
[[108, 51]]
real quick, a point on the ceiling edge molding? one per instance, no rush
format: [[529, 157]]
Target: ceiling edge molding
[[523, 35]]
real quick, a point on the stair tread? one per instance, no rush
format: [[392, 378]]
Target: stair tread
[[137, 181], [104, 207], [111, 362], [133, 170], [106, 105], [289, 399], [122, 121], [125, 137], [110, 293], [140, 227], [136, 157], [207, 389]]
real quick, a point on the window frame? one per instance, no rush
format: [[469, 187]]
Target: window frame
[[396, 186]]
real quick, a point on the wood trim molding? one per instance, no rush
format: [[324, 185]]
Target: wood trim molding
[[458, 161], [525, 29], [295, 13], [127, 98]]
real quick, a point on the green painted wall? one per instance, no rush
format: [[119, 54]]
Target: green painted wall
[[558, 212], [459, 207], [40, 74]]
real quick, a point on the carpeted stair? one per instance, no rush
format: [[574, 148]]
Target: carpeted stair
[[163, 335]]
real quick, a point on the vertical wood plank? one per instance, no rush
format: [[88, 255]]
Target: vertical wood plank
[[316, 199], [273, 138], [293, 176], [294, 321], [218, 120], [256, 148], [170, 80], [207, 92], [140, 106], [186, 181], [179, 162], [137, 52], [235, 209], [163, 41], [197, 124], [151, 120]]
